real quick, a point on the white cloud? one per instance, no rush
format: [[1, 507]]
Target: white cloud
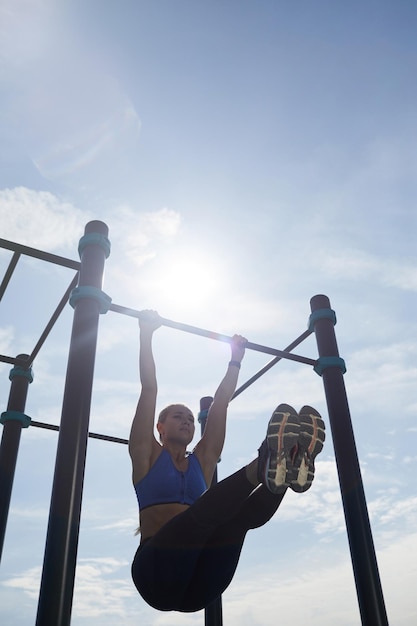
[[379, 456], [296, 596], [28, 582], [305, 588], [388, 510], [40, 220], [388, 367], [353, 264], [401, 275], [140, 235], [321, 505], [30, 513], [101, 587]]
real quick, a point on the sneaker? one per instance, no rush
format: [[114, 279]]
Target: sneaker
[[310, 443], [276, 454]]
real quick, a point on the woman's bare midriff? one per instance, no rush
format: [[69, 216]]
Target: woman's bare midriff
[[154, 517]]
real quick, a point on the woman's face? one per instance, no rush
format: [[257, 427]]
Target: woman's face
[[178, 425]]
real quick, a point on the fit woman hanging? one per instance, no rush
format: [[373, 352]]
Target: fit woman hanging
[[192, 536]]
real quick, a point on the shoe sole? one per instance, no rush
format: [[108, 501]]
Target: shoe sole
[[282, 435], [310, 444]]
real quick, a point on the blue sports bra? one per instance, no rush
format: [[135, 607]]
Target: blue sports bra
[[165, 484]]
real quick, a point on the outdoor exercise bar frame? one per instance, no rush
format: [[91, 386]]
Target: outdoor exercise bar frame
[[57, 585]]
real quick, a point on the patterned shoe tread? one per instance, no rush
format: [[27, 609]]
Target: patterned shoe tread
[[310, 444], [282, 435]]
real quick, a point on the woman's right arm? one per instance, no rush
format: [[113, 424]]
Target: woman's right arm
[[142, 442]]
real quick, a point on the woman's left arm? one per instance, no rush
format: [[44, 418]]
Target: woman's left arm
[[209, 447]]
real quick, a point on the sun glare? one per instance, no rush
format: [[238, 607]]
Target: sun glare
[[186, 282]]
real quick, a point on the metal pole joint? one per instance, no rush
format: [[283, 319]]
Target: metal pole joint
[[18, 370], [16, 416], [320, 314], [85, 291], [329, 361], [97, 239]]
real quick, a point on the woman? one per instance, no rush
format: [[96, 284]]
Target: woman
[[192, 536]]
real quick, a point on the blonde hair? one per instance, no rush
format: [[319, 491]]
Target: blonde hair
[[164, 413]]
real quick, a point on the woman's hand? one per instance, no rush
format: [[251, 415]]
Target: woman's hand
[[238, 346], [149, 320]]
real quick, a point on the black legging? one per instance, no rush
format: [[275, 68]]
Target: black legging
[[191, 560]]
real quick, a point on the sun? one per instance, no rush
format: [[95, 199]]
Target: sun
[[187, 281]]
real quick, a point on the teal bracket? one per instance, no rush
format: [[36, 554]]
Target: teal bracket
[[95, 239], [329, 361], [93, 293], [18, 370], [319, 315], [16, 416], [202, 415]]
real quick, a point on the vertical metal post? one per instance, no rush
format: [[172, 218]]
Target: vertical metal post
[[365, 568], [213, 614], [13, 420], [57, 584]]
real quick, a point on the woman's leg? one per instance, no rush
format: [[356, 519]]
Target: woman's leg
[[192, 559], [217, 562], [164, 566]]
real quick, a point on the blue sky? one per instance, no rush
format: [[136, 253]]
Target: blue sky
[[245, 156]]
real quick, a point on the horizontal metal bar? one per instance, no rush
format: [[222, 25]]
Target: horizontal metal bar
[[92, 435], [217, 336], [10, 359], [39, 254]]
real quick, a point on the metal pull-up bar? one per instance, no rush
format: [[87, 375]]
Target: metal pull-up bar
[[194, 330]]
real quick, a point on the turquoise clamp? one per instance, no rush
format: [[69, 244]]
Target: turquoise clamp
[[329, 361], [16, 416], [319, 315], [18, 370], [202, 415], [95, 239], [93, 293]]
